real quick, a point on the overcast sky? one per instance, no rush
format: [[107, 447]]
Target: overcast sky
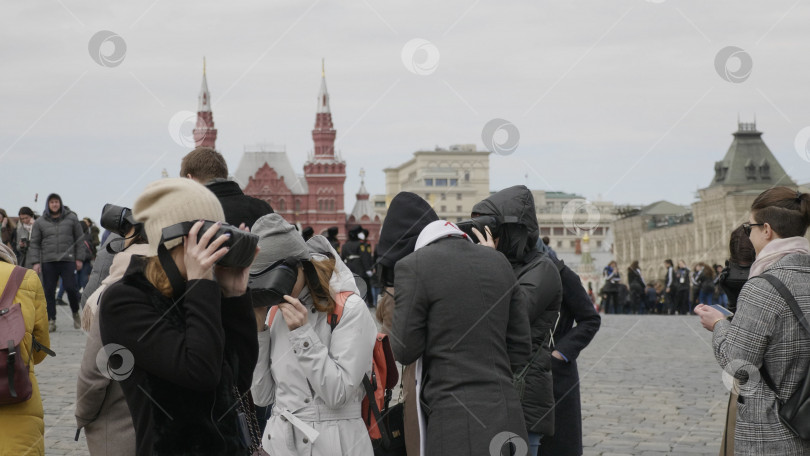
[[620, 100]]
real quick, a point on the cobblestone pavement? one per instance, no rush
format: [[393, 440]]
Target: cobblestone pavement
[[650, 386]]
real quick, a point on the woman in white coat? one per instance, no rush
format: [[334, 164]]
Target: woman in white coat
[[311, 373]]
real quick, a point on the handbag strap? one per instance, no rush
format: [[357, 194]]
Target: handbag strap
[[13, 284], [534, 358], [372, 404], [797, 312]]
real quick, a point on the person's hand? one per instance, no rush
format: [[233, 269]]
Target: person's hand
[[708, 316], [79, 265], [37, 268], [667, 290], [484, 240], [557, 355], [295, 314], [201, 257]]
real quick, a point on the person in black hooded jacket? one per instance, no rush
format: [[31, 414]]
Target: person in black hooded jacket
[[407, 215], [541, 290]]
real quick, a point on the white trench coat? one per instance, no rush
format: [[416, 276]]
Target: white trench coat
[[313, 376]]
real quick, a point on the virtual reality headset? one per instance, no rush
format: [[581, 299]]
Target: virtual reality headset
[[241, 244], [119, 220], [269, 286]]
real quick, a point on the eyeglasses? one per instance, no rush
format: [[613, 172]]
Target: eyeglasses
[[747, 227]]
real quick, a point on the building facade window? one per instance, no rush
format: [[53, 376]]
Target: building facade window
[[453, 182], [458, 196], [429, 182], [458, 209], [441, 182], [467, 177], [559, 231], [444, 208], [444, 196], [297, 205], [282, 206], [559, 244]]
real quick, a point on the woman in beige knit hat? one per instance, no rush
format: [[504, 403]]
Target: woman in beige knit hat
[[179, 332]]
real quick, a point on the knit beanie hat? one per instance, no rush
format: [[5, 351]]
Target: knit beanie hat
[[278, 240], [171, 201]]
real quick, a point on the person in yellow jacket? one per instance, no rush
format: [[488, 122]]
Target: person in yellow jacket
[[22, 428]]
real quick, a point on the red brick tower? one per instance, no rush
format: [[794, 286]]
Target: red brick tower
[[205, 135], [324, 172]]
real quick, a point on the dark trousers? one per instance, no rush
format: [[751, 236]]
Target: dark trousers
[[51, 272], [682, 301]]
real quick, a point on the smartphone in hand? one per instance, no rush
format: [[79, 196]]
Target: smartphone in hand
[[726, 313]]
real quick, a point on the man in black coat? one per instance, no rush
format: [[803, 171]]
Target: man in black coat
[[457, 307], [208, 167], [569, 341]]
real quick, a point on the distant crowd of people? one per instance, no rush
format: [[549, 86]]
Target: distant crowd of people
[[678, 292]]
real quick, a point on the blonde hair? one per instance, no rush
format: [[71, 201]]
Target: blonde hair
[[321, 296], [157, 276]]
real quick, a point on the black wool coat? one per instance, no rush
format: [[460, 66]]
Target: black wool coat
[[238, 207], [579, 322], [457, 307], [179, 363]]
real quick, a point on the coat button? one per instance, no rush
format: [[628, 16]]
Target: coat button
[[306, 344], [306, 401], [306, 440]]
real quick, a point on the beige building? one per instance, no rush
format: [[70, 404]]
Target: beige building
[[452, 180], [700, 233]]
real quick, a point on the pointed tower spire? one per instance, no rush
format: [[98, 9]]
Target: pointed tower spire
[[324, 133], [323, 94], [205, 135]]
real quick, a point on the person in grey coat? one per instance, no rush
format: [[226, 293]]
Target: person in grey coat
[[55, 252], [459, 313], [540, 290], [765, 336]]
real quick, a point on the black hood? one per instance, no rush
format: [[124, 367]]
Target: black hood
[[513, 202], [407, 215]]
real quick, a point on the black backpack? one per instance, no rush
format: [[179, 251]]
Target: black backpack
[[794, 412]]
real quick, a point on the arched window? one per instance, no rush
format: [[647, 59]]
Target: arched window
[[320, 204], [282, 206], [297, 205]]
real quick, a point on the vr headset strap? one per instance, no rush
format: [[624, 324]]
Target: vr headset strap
[[175, 278]]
